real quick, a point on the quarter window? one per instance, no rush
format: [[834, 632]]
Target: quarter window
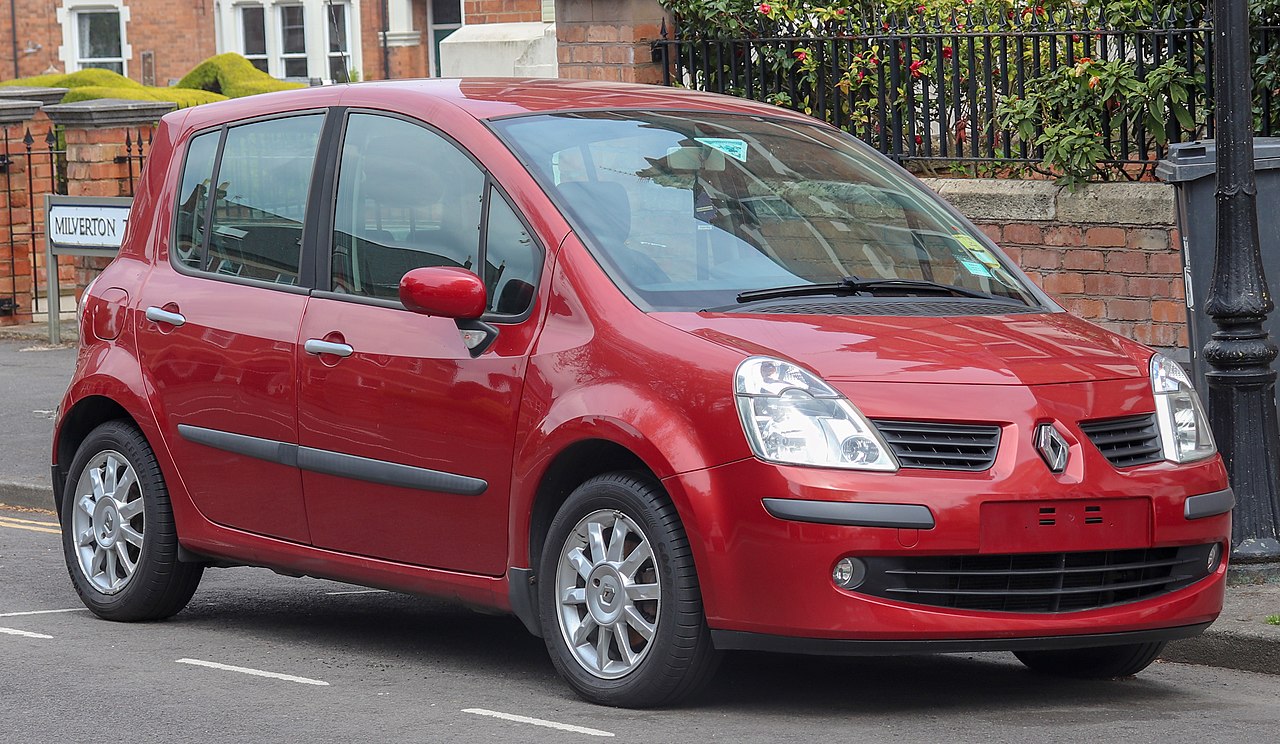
[[193, 201], [510, 259], [407, 198], [258, 204]]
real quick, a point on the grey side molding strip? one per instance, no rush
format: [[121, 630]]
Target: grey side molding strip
[[335, 463], [1209, 504], [856, 514]]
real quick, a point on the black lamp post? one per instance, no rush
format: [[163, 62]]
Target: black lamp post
[[1242, 384]]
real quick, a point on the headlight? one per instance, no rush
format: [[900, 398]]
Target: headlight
[[792, 417], [1184, 431]]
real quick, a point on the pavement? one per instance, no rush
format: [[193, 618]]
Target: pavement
[[33, 376]]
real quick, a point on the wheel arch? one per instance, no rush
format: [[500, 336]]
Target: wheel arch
[[85, 415]]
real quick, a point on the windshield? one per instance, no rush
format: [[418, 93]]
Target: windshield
[[687, 211]]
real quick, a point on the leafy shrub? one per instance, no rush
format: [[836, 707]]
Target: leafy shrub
[[82, 79], [183, 97], [233, 76]]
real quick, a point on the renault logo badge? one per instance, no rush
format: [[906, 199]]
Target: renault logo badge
[[1052, 447]]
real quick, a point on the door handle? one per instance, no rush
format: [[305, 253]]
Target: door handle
[[316, 346], [156, 315]]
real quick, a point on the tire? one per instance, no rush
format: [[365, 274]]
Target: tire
[[620, 586], [105, 530], [1104, 662]]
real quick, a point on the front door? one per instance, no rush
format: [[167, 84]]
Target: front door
[[406, 438]]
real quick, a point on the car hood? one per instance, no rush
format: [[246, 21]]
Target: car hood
[[1020, 349]]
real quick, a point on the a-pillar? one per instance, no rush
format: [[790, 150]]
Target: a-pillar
[[107, 141], [609, 39]]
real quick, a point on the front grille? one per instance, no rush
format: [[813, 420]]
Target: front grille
[[924, 444], [866, 306], [1127, 441], [1036, 582]]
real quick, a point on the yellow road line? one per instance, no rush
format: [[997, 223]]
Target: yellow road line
[[28, 521], [6, 523]]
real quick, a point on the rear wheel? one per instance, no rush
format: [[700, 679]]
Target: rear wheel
[[118, 535], [620, 606], [1104, 662]]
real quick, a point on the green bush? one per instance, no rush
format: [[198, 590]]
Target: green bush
[[233, 76], [82, 79], [181, 96]]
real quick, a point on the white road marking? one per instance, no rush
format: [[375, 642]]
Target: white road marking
[[359, 591], [42, 612], [254, 672], [24, 633], [538, 722]]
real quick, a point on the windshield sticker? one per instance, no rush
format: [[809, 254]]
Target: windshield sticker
[[734, 148], [975, 268], [977, 250]]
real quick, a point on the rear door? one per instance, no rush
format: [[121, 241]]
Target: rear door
[[407, 437], [219, 338]]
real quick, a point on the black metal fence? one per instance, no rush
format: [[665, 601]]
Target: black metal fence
[[940, 90], [38, 167]]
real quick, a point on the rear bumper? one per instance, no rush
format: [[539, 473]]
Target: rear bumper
[[729, 640]]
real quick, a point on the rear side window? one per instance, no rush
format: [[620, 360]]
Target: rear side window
[[259, 203]]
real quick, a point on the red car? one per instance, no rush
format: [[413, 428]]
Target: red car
[[661, 373]]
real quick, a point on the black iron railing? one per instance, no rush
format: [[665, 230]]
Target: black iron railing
[[937, 90]]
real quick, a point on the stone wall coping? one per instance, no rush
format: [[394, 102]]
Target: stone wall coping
[[1119, 203], [46, 96], [108, 112], [17, 111]]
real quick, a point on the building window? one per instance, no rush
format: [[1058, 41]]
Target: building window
[[293, 41], [338, 33], [253, 35], [99, 41]]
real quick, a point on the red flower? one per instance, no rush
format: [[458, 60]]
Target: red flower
[[1084, 61], [861, 74], [873, 61], [947, 52], [915, 68], [919, 140], [1093, 82], [764, 8], [800, 54], [839, 11], [920, 9]]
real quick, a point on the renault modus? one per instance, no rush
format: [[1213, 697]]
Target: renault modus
[[661, 373]]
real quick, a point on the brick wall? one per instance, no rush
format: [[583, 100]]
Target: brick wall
[[180, 33], [1107, 252], [406, 60], [502, 11], [609, 39]]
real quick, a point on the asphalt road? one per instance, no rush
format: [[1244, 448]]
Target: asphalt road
[[33, 377], [397, 668]]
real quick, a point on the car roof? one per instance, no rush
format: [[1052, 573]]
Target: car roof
[[488, 98]]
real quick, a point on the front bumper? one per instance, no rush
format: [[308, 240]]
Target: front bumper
[[765, 574]]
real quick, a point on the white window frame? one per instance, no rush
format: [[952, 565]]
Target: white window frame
[[67, 15], [239, 10], [282, 57], [229, 32], [328, 37]]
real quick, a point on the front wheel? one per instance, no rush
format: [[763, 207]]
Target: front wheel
[[620, 607], [1105, 662], [118, 534]]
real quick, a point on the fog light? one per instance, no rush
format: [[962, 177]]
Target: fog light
[[849, 573], [1215, 553]]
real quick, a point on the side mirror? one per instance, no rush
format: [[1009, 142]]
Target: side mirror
[[443, 291]]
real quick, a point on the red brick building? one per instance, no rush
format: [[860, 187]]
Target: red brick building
[[158, 41]]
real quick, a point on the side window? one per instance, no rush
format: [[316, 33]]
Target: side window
[[407, 198], [193, 198], [260, 201], [511, 259]]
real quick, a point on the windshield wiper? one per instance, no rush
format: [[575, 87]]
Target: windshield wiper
[[858, 285]]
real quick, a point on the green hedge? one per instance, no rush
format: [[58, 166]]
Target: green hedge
[[216, 79], [233, 76]]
